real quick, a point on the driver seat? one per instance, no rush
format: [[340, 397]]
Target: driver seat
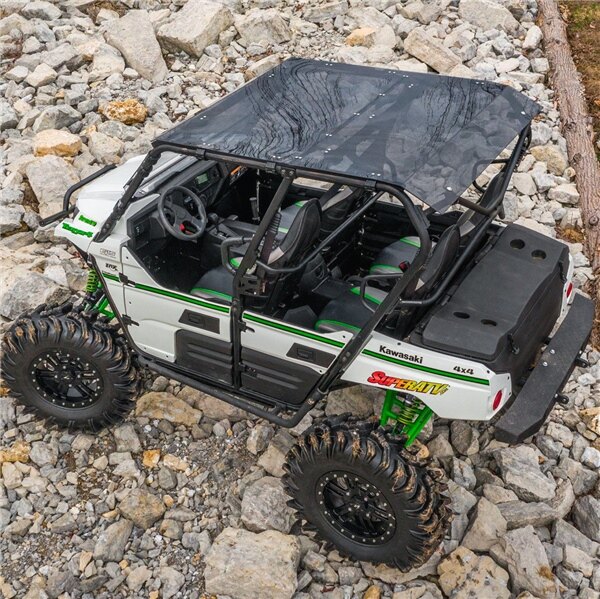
[[217, 283]]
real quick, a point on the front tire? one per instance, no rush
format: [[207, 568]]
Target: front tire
[[70, 367], [360, 490]]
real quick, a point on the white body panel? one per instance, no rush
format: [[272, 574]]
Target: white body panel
[[452, 387]]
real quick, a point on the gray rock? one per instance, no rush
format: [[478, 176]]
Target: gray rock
[[138, 577], [235, 565], [586, 515], [43, 453], [40, 9], [111, 543], [464, 437], [575, 559], [462, 474], [171, 580], [10, 218], [520, 513], [189, 33], [462, 500], [420, 44], [464, 574], [263, 25], [487, 15], [126, 438], [352, 399], [215, 409], [165, 406], [528, 564], [60, 582], [142, 508], [264, 506], [8, 117], [486, 528], [259, 438], [50, 177], [28, 291], [520, 470], [533, 38], [197, 541], [497, 494], [273, 459], [133, 35], [41, 75], [582, 479], [524, 183], [62, 55], [566, 193], [566, 534], [591, 457], [105, 149], [106, 62], [66, 523], [325, 11]]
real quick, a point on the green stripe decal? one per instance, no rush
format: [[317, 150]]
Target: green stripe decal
[[295, 331], [371, 298], [384, 267], [87, 221], [178, 296], [444, 373], [225, 296], [76, 231], [183, 298], [408, 241], [337, 323]]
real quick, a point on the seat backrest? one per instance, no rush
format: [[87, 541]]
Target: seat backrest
[[442, 257], [299, 240], [470, 219], [336, 204], [302, 233]]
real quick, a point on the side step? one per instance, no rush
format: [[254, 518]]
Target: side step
[[527, 413]]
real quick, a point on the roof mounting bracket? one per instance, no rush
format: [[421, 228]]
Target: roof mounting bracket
[[288, 172], [271, 167], [370, 184], [201, 154]]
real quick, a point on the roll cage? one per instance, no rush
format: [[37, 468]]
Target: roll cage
[[487, 209]]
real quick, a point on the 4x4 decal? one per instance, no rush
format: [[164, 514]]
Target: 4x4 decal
[[381, 378]]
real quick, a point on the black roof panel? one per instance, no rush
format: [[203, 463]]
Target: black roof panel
[[430, 134]]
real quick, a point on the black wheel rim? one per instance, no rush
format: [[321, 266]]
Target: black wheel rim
[[355, 507], [66, 380]]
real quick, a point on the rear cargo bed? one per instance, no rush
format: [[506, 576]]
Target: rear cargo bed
[[506, 306]]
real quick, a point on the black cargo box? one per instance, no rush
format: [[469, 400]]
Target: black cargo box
[[505, 307]]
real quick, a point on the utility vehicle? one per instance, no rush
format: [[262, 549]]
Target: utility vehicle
[[323, 226]]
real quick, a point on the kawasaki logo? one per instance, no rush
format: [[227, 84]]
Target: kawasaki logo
[[398, 354]]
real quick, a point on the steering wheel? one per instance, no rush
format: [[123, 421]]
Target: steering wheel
[[177, 220]]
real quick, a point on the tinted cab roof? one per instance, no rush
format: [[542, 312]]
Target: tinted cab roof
[[430, 134]]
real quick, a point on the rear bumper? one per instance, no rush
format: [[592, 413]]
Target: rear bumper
[[531, 407]]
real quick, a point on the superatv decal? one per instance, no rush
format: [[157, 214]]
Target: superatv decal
[[436, 371], [381, 378]]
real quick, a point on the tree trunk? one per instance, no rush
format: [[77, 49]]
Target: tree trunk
[[577, 129]]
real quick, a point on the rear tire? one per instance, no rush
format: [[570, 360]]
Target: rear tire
[[363, 492], [70, 367]]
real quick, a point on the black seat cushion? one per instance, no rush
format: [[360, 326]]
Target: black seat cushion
[[216, 284], [347, 312], [396, 257]]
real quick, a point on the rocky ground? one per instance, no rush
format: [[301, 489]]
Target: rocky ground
[[185, 497]]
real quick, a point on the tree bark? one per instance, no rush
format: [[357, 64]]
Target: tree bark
[[578, 132]]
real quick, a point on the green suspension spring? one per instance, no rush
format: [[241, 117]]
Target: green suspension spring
[[409, 414], [93, 282]]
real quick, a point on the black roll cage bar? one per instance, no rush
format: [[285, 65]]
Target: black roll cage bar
[[250, 260]]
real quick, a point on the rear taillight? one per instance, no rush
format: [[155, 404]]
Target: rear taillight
[[569, 289], [497, 401]]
